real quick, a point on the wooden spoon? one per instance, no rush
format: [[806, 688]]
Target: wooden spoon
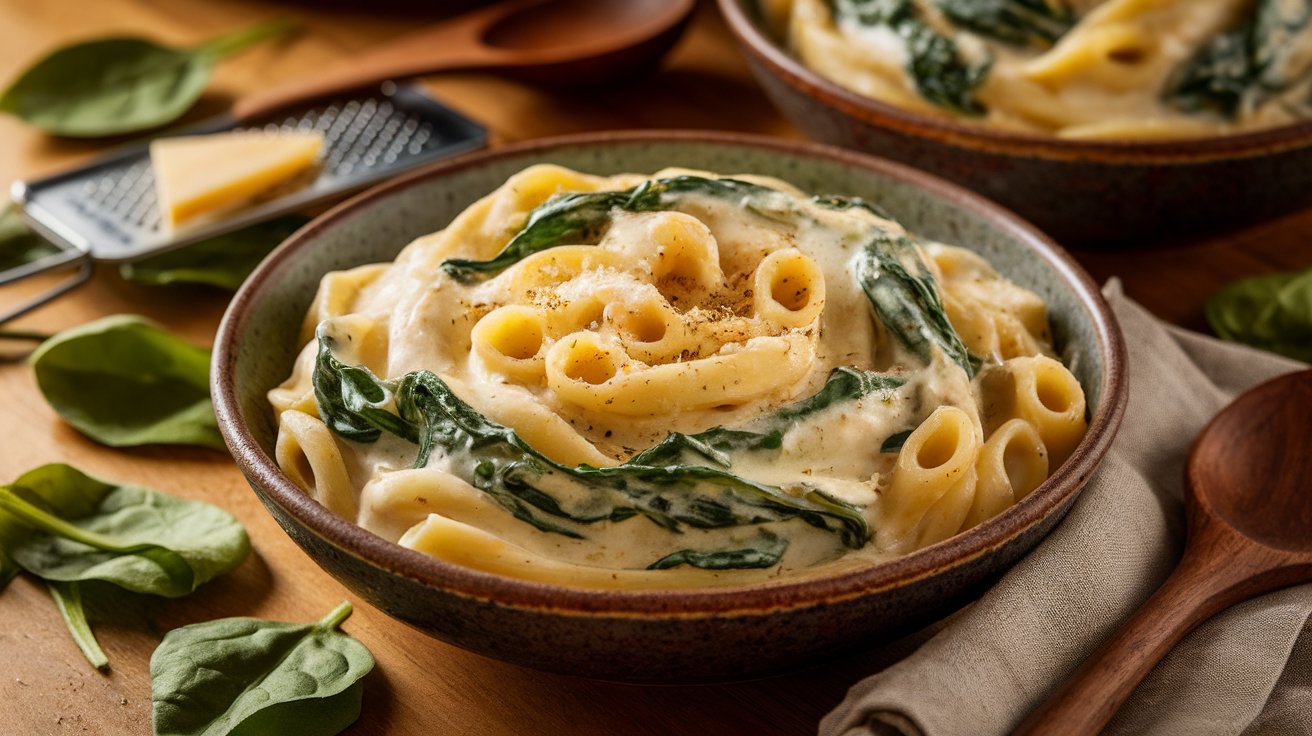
[[567, 42], [1249, 508]]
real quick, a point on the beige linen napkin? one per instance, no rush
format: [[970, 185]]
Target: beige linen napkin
[[1246, 671]]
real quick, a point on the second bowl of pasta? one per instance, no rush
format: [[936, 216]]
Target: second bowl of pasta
[[1105, 122], [617, 393]]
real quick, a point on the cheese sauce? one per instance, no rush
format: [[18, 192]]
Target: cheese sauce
[[826, 400]]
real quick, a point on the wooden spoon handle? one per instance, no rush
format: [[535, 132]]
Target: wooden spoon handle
[[1219, 569], [446, 46]]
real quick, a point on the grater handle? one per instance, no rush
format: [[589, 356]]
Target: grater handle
[[447, 46]]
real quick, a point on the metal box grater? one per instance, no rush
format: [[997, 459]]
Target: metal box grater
[[107, 210]]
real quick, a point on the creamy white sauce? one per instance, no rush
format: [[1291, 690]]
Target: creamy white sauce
[[428, 317]]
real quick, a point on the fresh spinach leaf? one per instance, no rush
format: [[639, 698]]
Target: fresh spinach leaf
[[24, 336], [1244, 66], [1017, 22], [223, 261], [20, 246], [494, 459], [72, 527], [942, 75], [251, 677], [120, 85], [68, 599], [69, 528], [124, 381], [904, 293], [1268, 312]]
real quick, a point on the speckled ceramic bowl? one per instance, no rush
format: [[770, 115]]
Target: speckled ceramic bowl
[[653, 636], [1087, 193]]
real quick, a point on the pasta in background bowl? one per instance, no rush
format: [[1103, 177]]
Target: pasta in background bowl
[[1091, 69], [510, 356], [1106, 123]]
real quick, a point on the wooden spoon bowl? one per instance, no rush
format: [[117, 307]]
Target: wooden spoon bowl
[[570, 43], [1249, 507], [1252, 468]]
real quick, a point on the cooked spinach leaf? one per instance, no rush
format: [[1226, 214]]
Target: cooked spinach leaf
[[223, 261], [1268, 312], [124, 381], [1243, 67], [20, 246], [836, 202], [895, 441], [941, 73], [907, 300], [718, 443], [1017, 22], [767, 553], [68, 528], [120, 85], [252, 677], [494, 459], [582, 217]]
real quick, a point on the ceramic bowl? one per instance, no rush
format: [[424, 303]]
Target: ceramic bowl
[[1086, 193], [653, 636]]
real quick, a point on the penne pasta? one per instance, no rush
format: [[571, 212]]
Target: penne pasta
[[1078, 69], [676, 380]]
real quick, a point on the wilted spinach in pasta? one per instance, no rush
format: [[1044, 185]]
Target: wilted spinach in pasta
[[673, 381], [1073, 68]]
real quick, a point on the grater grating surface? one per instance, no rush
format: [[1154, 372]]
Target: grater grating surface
[[108, 209]]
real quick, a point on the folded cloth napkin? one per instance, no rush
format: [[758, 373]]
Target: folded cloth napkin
[[1246, 671]]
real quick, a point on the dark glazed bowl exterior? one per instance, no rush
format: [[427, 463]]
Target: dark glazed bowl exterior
[[646, 636], [1088, 193]]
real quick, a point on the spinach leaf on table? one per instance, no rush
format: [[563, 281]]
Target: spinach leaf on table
[[1269, 312], [253, 677], [68, 598], [78, 528], [124, 381], [112, 86], [69, 528], [20, 246], [223, 261]]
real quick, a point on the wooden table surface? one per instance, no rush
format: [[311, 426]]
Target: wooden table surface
[[420, 686]]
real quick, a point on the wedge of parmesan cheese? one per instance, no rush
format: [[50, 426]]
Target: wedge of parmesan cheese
[[207, 174]]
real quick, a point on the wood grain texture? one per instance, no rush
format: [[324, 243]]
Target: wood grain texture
[[421, 686], [1249, 504]]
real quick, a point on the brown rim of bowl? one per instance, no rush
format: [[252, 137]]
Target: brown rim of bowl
[[354, 540], [946, 130]]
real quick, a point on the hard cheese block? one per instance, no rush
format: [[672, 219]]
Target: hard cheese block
[[204, 174]]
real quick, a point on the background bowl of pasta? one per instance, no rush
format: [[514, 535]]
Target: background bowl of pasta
[[1078, 135], [685, 560]]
